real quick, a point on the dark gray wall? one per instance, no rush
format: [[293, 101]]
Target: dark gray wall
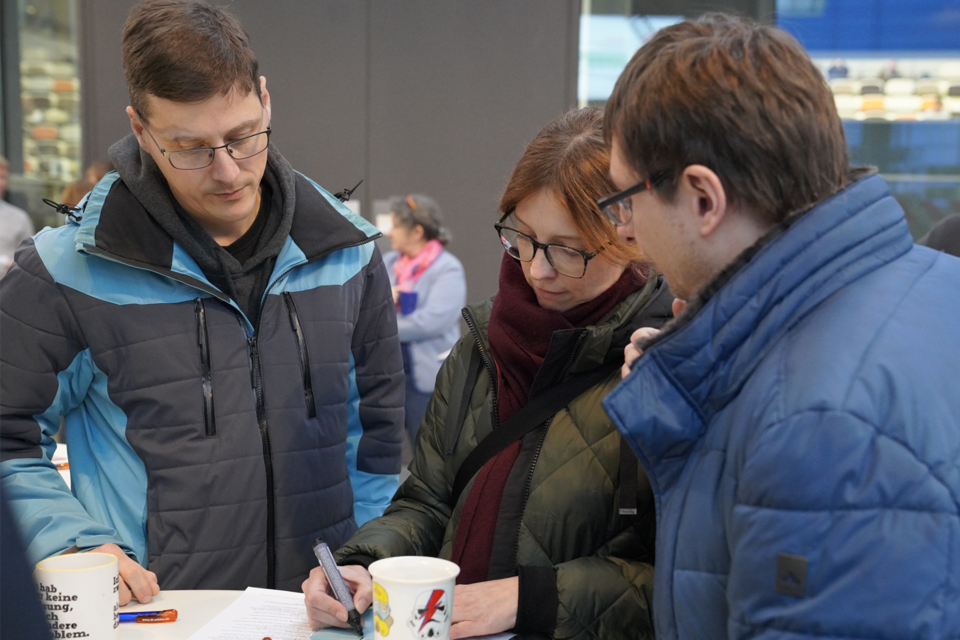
[[430, 96]]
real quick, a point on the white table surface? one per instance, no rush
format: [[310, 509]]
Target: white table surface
[[194, 609]]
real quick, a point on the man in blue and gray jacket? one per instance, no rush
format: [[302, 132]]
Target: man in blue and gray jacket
[[216, 332]]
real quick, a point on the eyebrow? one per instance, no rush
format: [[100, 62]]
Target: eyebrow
[[555, 239], [240, 128]]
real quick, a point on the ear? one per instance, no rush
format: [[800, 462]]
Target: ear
[[417, 232], [709, 196], [265, 97], [136, 126]]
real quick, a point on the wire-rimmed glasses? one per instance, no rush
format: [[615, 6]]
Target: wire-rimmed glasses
[[202, 157]]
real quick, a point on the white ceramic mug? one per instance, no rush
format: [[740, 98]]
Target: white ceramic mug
[[80, 594], [413, 598]]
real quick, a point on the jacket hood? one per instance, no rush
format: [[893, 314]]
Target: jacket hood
[[129, 216], [146, 183], [711, 351]]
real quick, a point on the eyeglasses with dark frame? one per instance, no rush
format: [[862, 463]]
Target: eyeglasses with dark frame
[[202, 157], [617, 207], [565, 260]]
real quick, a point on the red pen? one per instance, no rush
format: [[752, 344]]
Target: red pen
[[167, 615]]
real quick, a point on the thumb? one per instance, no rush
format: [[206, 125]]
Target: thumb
[[678, 306]]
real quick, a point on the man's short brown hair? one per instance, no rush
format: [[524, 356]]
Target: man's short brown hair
[[185, 52], [740, 98]]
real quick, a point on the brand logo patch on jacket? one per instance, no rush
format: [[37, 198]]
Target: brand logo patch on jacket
[[791, 574]]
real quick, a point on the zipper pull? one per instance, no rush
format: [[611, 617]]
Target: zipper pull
[[252, 352]]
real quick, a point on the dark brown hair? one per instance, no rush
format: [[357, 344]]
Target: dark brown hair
[[740, 98], [185, 52], [569, 158]]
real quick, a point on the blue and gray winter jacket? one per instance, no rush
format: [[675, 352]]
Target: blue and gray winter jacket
[[211, 453], [801, 430]]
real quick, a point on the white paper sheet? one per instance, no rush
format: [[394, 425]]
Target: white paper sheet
[[258, 614], [278, 615]]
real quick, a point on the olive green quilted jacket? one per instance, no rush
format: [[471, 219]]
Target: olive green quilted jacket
[[570, 520]]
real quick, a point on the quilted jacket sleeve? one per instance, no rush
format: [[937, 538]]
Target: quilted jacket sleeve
[[379, 379], [415, 521], [44, 373]]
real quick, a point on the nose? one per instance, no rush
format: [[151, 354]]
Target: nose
[[625, 231], [540, 267], [224, 168]]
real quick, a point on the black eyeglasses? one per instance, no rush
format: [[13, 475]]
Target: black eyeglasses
[[617, 207], [566, 261], [202, 157]]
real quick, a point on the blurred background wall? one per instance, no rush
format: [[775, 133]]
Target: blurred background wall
[[411, 96]]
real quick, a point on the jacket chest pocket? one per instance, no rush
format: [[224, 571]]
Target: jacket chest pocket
[[304, 355], [206, 373]]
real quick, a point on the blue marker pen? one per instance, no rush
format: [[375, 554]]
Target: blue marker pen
[[330, 570]]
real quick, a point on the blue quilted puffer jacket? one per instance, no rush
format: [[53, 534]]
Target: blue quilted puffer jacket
[[802, 433]]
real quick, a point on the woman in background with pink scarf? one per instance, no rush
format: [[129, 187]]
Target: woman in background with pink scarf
[[429, 289]]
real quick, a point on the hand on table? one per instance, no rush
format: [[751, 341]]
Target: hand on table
[[134, 579], [631, 352], [323, 609], [485, 607]]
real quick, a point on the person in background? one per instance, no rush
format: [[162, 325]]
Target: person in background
[[15, 224], [799, 420], [838, 69], [429, 289], [98, 169], [215, 331], [944, 236], [543, 534], [74, 192]]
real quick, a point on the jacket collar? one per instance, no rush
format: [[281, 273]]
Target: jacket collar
[[116, 224], [709, 353]]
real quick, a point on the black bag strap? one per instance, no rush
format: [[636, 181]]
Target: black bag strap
[[535, 413]]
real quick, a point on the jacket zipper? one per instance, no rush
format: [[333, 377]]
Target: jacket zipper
[[255, 377], [304, 356], [487, 362], [526, 490], [206, 375], [257, 382], [536, 452]]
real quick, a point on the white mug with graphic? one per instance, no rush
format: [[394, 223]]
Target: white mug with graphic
[[413, 598], [80, 594]]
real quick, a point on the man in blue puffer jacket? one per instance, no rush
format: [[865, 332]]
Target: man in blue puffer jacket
[[216, 332], [800, 419]]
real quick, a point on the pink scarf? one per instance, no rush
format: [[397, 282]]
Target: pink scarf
[[408, 270]]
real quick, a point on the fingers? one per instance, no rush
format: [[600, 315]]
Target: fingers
[[142, 583], [135, 581], [678, 306], [359, 581], [125, 594], [322, 609]]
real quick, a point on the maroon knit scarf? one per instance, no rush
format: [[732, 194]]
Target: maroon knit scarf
[[520, 331]]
